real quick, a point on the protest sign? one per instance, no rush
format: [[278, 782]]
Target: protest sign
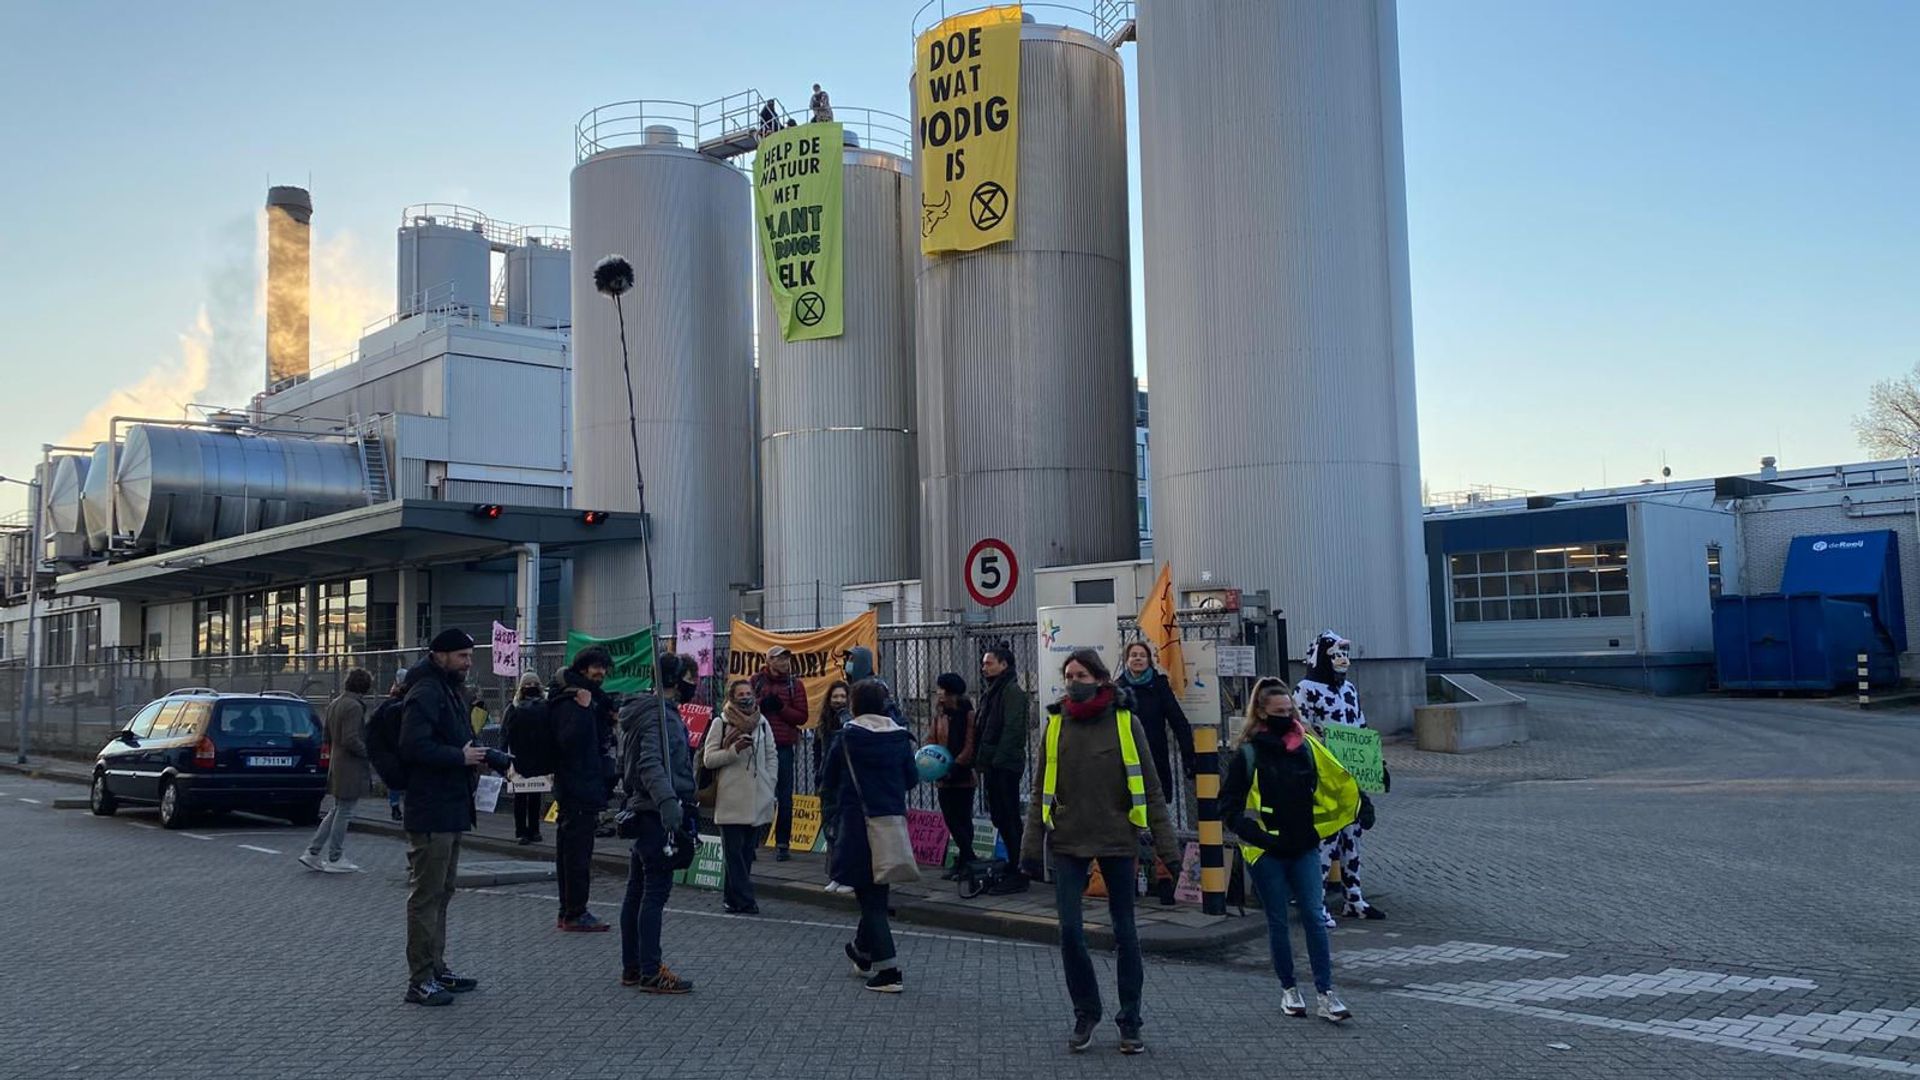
[[966, 82], [818, 655], [928, 831], [1358, 749], [632, 659], [506, 651], [796, 201]]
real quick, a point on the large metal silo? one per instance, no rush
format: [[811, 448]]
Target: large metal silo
[[683, 219], [539, 291], [445, 260], [839, 487], [1024, 350], [64, 523], [1279, 343]]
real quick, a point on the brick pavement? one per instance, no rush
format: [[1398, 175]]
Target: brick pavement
[[160, 955]]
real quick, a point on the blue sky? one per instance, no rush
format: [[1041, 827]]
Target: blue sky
[[1639, 229]]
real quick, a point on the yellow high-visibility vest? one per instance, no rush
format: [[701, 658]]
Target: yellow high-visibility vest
[[1129, 755], [1336, 797]]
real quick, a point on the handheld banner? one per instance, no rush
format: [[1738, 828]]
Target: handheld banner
[[632, 659], [817, 654]]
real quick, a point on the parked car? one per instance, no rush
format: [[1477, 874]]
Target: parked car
[[200, 750]]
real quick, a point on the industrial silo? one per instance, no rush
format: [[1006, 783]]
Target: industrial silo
[[1024, 349], [538, 283], [175, 487], [683, 220], [65, 521], [1279, 343], [96, 498], [444, 261], [839, 487]]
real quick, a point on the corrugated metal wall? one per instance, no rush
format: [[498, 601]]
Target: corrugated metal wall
[[1024, 350], [1279, 343], [683, 220], [506, 414], [839, 483]]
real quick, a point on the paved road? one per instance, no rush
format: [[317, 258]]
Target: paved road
[[1535, 931]]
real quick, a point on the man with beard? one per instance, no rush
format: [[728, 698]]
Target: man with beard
[[439, 753], [582, 717]]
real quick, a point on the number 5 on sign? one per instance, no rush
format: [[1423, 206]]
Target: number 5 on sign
[[992, 573]]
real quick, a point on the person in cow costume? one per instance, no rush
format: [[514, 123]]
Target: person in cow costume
[[1326, 697]]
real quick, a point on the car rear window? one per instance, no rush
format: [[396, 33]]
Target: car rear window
[[242, 718]]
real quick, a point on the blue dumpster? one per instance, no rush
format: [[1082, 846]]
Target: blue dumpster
[[1840, 597]]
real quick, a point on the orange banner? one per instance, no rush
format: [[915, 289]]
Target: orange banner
[[818, 655]]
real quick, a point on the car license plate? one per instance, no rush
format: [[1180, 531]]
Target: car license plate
[[272, 762]]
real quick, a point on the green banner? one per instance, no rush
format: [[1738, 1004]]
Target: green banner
[[632, 659], [796, 197], [1358, 749]]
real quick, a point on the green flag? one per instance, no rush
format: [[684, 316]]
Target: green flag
[[796, 197], [632, 659]]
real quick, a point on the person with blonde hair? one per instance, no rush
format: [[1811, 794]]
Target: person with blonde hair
[[529, 710], [1282, 793], [739, 750]]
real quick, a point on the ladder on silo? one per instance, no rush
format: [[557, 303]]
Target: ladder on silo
[[373, 464]]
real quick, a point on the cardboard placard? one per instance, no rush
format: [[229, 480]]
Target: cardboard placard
[[928, 831]]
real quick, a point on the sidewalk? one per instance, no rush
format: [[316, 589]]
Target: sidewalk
[[1027, 916]]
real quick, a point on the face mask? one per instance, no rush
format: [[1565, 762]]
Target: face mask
[[1082, 691]]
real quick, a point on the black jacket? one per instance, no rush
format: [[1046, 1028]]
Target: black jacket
[[580, 738], [1158, 708], [1003, 726], [434, 731], [1287, 782], [521, 716]]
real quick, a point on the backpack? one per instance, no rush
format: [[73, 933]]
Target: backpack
[[536, 752], [383, 743]]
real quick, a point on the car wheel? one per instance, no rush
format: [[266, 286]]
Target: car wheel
[[307, 814], [173, 810], [100, 800]]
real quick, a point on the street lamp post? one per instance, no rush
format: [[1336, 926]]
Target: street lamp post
[[30, 676]]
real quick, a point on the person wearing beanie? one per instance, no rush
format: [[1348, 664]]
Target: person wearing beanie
[[783, 700], [953, 728], [656, 771], [440, 754], [580, 713], [524, 720]]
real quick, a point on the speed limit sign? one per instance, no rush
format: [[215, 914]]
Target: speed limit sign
[[992, 572]]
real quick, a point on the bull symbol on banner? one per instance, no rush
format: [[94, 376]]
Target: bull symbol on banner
[[931, 213]]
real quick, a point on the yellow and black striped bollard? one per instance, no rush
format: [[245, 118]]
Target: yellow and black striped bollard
[[1206, 791]]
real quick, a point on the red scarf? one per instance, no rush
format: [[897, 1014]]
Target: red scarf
[[1090, 708]]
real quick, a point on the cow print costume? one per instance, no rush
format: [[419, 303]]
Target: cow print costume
[[1325, 697]]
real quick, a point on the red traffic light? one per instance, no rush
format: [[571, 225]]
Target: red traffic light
[[490, 511], [593, 517]]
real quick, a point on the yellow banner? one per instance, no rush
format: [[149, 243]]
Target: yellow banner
[[966, 82], [818, 655]]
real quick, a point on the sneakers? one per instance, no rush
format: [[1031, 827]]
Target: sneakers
[[339, 866], [887, 981], [394, 811], [311, 860], [781, 854], [584, 923], [428, 993], [455, 984], [1362, 910], [750, 909], [1332, 1009], [1327, 919], [1131, 1043], [630, 977], [836, 887], [1082, 1036], [862, 967], [1013, 881], [666, 982], [1293, 1002]]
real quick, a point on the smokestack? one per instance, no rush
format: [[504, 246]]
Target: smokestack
[[289, 268]]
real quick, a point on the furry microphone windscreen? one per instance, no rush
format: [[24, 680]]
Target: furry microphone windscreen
[[613, 275]]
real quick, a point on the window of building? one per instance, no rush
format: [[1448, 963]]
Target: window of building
[[210, 627], [56, 641], [1093, 591], [1584, 581], [1714, 581], [882, 611], [273, 622], [340, 617]]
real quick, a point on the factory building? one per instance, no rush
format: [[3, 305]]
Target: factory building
[[1619, 586]]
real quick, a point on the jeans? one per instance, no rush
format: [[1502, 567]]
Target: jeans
[[394, 797], [1003, 805], [1277, 880], [873, 938], [527, 811], [573, 855], [1070, 882], [956, 806], [737, 844], [333, 829], [433, 859], [649, 883], [783, 791]]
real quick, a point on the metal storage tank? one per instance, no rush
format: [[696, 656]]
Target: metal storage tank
[[1279, 340], [538, 286], [96, 497], [65, 523], [180, 486], [683, 219], [444, 261], [839, 487], [1024, 350]]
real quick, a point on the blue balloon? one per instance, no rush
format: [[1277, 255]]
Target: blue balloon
[[933, 762]]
